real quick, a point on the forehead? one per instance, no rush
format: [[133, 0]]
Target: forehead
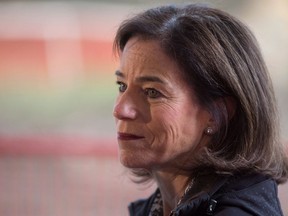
[[146, 56]]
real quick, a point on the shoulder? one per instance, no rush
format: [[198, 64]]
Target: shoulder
[[142, 207], [248, 195]]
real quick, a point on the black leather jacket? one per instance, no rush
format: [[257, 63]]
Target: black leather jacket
[[231, 196]]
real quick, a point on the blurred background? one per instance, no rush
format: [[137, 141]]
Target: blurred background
[[58, 152]]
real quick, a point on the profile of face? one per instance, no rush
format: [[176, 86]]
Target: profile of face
[[158, 120]]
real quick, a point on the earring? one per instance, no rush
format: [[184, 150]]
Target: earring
[[209, 131]]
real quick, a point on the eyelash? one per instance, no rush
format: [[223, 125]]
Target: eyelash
[[149, 92]]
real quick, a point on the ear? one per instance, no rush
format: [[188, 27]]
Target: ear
[[227, 106], [226, 109]]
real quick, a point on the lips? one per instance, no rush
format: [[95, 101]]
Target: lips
[[127, 136]]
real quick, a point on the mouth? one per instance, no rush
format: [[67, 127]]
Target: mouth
[[127, 136]]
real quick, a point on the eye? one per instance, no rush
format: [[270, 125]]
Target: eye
[[122, 86], [152, 93]]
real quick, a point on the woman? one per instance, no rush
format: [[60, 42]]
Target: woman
[[196, 113]]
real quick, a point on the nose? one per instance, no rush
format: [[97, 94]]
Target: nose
[[125, 108]]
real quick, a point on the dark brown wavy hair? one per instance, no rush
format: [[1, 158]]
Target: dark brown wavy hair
[[220, 59]]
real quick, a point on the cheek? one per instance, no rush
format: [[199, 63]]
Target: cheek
[[165, 125], [177, 126]]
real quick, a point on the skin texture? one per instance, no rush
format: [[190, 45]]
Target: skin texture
[[160, 125]]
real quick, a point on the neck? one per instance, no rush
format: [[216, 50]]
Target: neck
[[172, 188]]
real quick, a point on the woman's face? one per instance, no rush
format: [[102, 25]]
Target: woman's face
[[159, 122]]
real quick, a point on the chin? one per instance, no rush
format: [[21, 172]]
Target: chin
[[129, 162], [132, 160]]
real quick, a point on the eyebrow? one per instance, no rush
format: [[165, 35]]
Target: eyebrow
[[142, 78], [119, 73]]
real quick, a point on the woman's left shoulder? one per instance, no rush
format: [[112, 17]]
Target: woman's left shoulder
[[252, 194]]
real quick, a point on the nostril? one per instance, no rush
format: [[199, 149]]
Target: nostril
[[116, 112], [125, 106], [124, 112]]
